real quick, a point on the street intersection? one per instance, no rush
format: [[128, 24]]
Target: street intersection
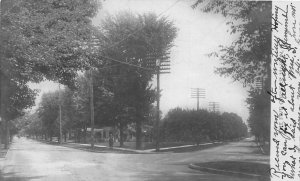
[[31, 160]]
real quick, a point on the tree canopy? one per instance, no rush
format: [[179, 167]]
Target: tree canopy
[[248, 58], [201, 126], [41, 39], [46, 38], [138, 41]]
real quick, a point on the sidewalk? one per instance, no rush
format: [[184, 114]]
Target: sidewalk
[[106, 147], [128, 150], [240, 169], [241, 159]]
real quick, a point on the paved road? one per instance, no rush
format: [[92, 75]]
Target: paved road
[[29, 160]]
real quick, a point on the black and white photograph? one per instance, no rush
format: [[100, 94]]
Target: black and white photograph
[[149, 90]]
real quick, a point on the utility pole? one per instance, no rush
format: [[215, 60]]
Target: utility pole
[[59, 104], [157, 104], [214, 106], [259, 84], [162, 67], [92, 109], [197, 93], [159, 65]]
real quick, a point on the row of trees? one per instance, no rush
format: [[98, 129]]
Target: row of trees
[[75, 111], [56, 41], [179, 125], [199, 126], [40, 40], [248, 58]]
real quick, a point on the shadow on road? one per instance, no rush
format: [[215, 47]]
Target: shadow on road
[[260, 171], [12, 176]]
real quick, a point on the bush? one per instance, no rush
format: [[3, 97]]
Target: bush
[[201, 126]]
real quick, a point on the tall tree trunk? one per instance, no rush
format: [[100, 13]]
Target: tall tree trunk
[[77, 138], [85, 134], [6, 134], [5, 5], [121, 134], [79, 135], [138, 134], [4, 100], [2, 132], [50, 137], [65, 136]]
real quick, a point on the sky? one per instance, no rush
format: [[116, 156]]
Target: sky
[[198, 35]]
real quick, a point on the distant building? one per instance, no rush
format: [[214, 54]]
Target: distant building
[[101, 134]]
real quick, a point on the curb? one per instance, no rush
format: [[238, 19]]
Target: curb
[[147, 151], [97, 146], [226, 172], [164, 149], [114, 148]]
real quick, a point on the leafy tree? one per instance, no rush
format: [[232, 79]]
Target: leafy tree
[[68, 111], [48, 112], [258, 120], [231, 122], [47, 37], [15, 98], [42, 39], [200, 126], [105, 107], [134, 38], [75, 107], [31, 124], [248, 58], [80, 103], [47, 120]]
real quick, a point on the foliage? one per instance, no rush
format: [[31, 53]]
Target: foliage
[[248, 58], [259, 119], [105, 107], [134, 38], [18, 97], [80, 102], [31, 124], [48, 112], [198, 126], [41, 39], [75, 108], [44, 38]]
